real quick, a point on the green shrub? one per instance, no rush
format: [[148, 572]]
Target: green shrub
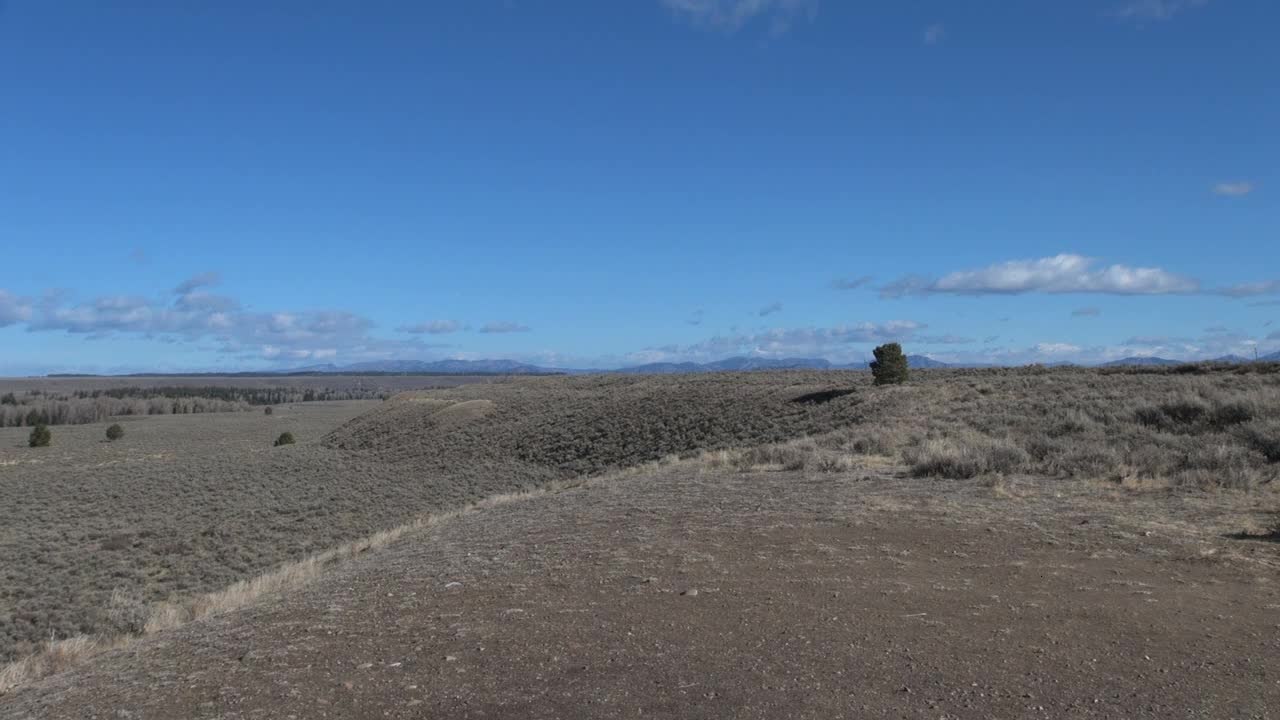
[[890, 365], [115, 432], [284, 439], [267, 410], [40, 436]]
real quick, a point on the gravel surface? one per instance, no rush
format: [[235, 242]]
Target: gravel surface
[[695, 593]]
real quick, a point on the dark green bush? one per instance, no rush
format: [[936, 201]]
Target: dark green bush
[[890, 365], [115, 432], [40, 436], [284, 439], [267, 410]]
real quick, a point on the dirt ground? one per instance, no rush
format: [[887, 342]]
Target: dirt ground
[[694, 593]]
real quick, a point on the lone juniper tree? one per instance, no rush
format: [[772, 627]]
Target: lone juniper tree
[[890, 365], [40, 436]]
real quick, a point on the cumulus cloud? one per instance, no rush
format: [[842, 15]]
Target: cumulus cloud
[[195, 315], [502, 326], [1065, 273], [770, 309], [731, 15], [13, 309], [935, 34], [1086, 312], [1139, 10], [851, 283], [432, 327], [1233, 189]]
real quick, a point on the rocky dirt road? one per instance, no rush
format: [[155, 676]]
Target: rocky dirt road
[[694, 594]]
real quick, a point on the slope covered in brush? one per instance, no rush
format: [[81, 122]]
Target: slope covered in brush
[[565, 426]]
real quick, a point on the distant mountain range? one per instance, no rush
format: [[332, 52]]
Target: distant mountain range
[[1141, 361], [739, 364], [1151, 360], [438, 367], [511, 367], [733, 364]]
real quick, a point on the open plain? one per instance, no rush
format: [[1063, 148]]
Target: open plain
[[994, 543]]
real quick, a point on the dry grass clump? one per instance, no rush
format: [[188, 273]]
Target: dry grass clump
[[54, 657], [1212, 428], [956, 458]]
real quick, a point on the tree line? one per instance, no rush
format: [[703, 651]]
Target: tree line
[[37, 407]]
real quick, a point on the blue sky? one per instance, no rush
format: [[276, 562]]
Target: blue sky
[[237, 185]]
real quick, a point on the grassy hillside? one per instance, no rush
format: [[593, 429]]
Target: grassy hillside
[[561, 427]]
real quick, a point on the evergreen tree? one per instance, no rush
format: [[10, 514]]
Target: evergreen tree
[[40, 436], [890, 366]]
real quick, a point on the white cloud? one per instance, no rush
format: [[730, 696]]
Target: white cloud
[[1233, 189], [731, 15], [1065, 273], [503, 326], [935, 34], [1056, 348], [196, 315], [13, 309], [432, 327], [1139, 10]]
